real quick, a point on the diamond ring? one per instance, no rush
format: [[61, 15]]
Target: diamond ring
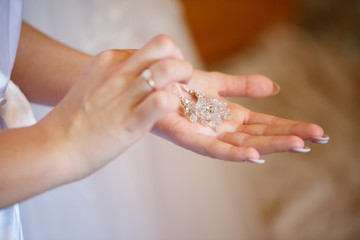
[[147, 75]]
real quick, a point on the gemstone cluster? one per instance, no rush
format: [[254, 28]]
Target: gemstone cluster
[[209, 111]]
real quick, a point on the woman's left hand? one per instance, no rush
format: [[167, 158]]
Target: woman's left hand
[[248, 134]]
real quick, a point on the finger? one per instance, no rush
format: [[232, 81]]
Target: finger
[[252, 86], [261, 118], [264, 144], [215, 148], [308, 129], [163, 72], [158, 48], [302, 130], [151, 109], [123, 74], [320, 140]]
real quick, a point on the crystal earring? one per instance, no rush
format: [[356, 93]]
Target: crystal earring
[[209, 111]]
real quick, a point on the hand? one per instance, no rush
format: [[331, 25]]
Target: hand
[[248, 134], [111, 105]]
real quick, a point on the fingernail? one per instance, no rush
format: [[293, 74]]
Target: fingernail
[[258, 161], [305, 149], [276, 89], [323, 138], [318, 141]]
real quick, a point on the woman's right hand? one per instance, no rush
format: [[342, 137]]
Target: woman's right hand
[[111, 105]]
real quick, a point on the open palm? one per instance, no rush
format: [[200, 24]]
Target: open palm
[[248, 134]]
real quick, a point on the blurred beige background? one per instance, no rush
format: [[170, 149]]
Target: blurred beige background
[[159, 191], [312, 50]]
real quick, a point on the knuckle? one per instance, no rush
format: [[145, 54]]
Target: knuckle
[[123, 55], [164, 42], [107, 57], [129, 52], [166, 68]]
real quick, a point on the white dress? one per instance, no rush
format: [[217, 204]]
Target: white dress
[[15, 110], [155, 190]]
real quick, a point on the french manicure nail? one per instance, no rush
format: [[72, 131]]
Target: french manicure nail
[[258, 161], [319, 140], [322, 142], [276, 89], [323, 138], [305, 149]]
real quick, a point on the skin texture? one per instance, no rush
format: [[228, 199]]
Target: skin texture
[[103, 105]]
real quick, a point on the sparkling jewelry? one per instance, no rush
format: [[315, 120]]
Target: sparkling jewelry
[[147, 75], [209, 111]]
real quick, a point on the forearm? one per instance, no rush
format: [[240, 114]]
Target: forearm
[[45, 69], [32, 161]]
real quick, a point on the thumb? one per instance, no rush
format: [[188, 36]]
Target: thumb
[[251, 86]]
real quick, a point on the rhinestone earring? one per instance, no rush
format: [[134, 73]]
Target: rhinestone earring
[[209, 111]]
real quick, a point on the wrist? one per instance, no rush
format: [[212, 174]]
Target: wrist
[[57, 150]]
